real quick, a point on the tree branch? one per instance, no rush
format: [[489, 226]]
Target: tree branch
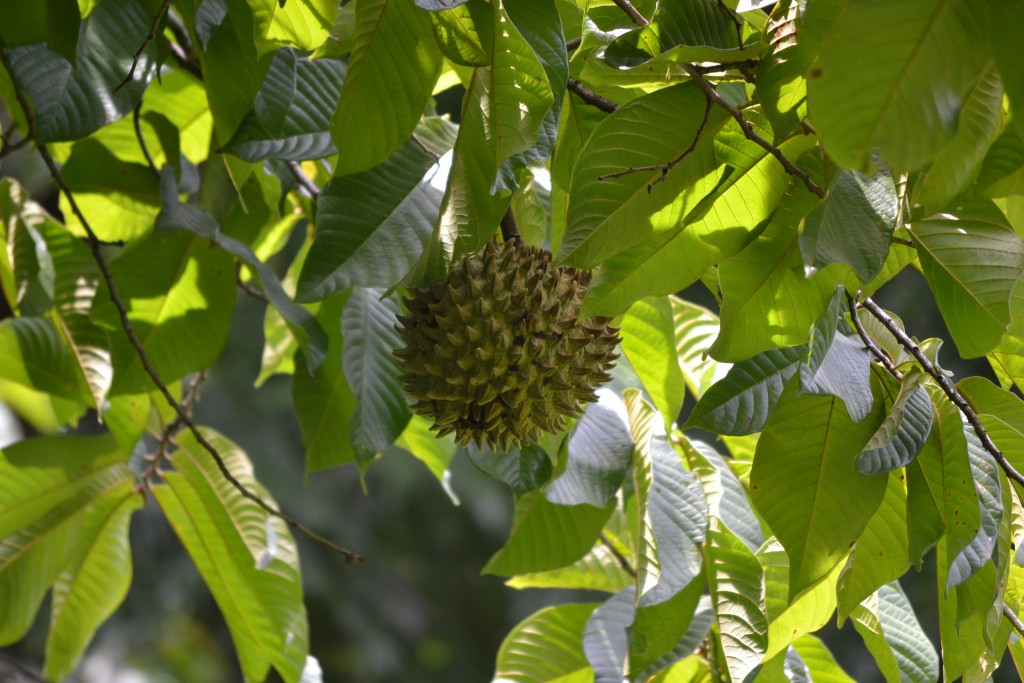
[[619, 557], [748, 131], [1013, 619], [869, 342], [142, 141], [632, 12], [154, 29], [947, 387], [591, 97], [665, 168], [133, 338], [302, 180]]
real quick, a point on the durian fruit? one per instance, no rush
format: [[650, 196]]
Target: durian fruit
[[497, 353]]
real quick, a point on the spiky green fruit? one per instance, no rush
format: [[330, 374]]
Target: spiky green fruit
[[497, 353]]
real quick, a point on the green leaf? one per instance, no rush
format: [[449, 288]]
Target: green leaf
[[391, 73], [657, 629], [903, 432], [27, 266], [803, 485], [1007, 359], [179, 294], [33, 354], [546, 647], [381, 412], [606, 636], [303, 24], [523, 469], [736, 581], [727, 499], [955, 165], [598, 570], [247, 558], [1005, 22], [372, 226], [88, 591], [698, 630], [1001, 174], [895, 638], [55, 493], [598, 456], [874, 83], [882, 552], [972, 259], [323, 400], [547, 536], [465, 33], [986, 479], [649, 343], [853, 225], [610, 214], [72, 101], [740, 402], [696, 329], [291, 116], [427, 448]]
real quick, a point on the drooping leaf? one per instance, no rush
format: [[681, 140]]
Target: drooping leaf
[[393, 44], [903, 432], [427, 448], [874, 83], [986, 479], [599, 570], [606, 636], [546, 647], [247, 558], [894, 636], [72, 101], [853, 225], [657, 630], [802, 483], [696, 329], [381, 411], [972, 259], [648, 341], [727, 499], [547, 536], [741, 401], [598, 455], [291, 116], [33, 354]]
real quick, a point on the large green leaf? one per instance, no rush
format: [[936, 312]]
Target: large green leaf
[[894, 636], [1005, 31], [371, 226], [954, 167], [381, 412], [740, 402], [972, 260], [179, 293], [598, 570], [72, 101], [33, 354], [291, 116], [986, 477], [804, 486], [885, 78], [303, 24], [657, 630], [696, 329], [48, 490], [598, 456], [736, 580], [88, 591], [391, 73], [649, 343], [546, 647], [853, 225], [547, 536], [247, 558], [464, 33]]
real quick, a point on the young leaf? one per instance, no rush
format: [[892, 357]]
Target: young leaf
[[381, 412], [247, 559], [391, 73]]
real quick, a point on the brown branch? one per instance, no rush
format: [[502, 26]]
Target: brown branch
[[619, 557], [880, 355], [509, 229], [666, 168], [142, 141], [748, 130], [302, 180], [167, 433], [632, 12], [133, 338], [153, 31], [947, 388], [7, 147], [571, 45], [900, 240], [591, 97], [1018, 625], [250, 290]]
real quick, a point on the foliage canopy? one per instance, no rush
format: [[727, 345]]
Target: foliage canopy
[[791, 158]]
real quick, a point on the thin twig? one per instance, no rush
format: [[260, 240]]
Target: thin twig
[[666, 168], [509, 229], [167, 433], [302, 180], [571, 45], [422, 145], [900, 240], [880, 355], [133, 338], [632, 12], [947, 388], [591, 97], [1018, 625], [153, 31], [705, 69], [619, 557], [142, 141], [250, 290], [748, 130], [8, 147]]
